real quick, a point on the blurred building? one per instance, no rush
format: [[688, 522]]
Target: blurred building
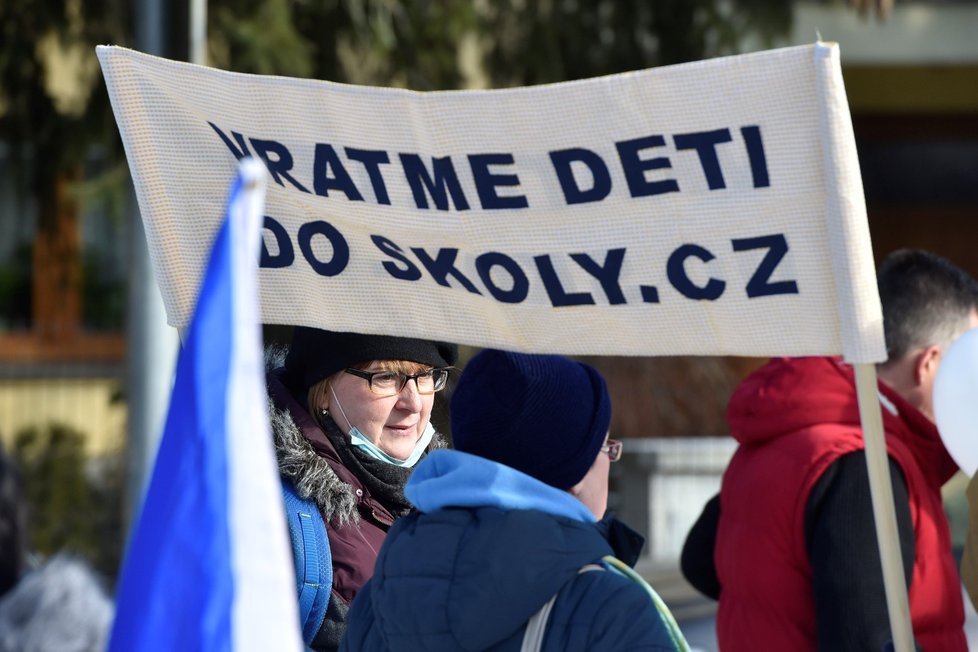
[[62, 309], [912, 83]]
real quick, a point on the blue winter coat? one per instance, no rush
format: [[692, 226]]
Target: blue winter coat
[[489, 547]]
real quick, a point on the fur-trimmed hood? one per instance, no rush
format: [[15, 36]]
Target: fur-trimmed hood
[[301, 463], [310, 474]]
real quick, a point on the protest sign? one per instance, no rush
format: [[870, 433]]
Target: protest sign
[[708, 208]]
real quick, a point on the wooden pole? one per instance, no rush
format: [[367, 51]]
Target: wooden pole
[[884, 514]]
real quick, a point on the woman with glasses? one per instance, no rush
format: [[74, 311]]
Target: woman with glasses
[[510, 547], [351, 415]]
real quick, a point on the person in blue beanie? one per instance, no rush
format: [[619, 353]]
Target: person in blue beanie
[[509, 547]]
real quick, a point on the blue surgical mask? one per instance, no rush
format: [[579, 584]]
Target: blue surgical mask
[[359, 440], [368, 447]]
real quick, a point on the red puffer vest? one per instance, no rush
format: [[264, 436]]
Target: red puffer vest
[[793, 418]]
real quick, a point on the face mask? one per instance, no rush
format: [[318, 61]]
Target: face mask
[[358, 439], [367, 446]]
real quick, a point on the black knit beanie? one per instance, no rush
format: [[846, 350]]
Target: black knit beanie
[[316, 354], [544, 415]]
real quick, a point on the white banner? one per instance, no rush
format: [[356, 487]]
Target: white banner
[[709, 208]]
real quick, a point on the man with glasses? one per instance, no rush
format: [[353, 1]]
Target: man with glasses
[[510, 526], [351, 415]]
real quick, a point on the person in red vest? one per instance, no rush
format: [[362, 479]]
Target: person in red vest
[[789, 548]]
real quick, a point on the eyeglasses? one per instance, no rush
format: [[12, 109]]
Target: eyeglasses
[[612, 448], [390, 383]]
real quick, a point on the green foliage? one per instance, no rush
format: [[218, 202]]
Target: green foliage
[[15, 290], [381, 42], [108, 524], [103, 281], [66, 507], [413, 45], [538, 41], [417, 44], [103, 294], [106, 190], [262, 39], [30, 115], [420, 44], [59, 498]]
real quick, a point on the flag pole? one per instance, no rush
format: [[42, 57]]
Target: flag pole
[[884, 514]]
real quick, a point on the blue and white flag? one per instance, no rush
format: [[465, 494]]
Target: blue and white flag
[[208, 565]]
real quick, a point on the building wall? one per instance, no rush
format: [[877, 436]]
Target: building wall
[[91, 406]]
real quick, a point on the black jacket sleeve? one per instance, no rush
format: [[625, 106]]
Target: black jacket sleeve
[[847, 575], [696, 560]]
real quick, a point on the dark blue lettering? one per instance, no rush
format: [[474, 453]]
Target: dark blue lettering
[[286, 254], [485, 263], [635, 167], [443, 266], [650, 293], [573, 194], [445, 179], [755, 152], [238, 153], [777, 248], [280, 165], [558, 296], [675, 269], [409, 272], [341, 250], [607, 274], [372, 160], [705, 143], [326, 159], [486, 182]]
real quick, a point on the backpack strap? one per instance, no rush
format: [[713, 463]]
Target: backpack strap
[[678, 640], [536, 627], [312, 559]]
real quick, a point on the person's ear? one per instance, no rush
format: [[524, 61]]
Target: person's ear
[[925, 364], [321, 398]]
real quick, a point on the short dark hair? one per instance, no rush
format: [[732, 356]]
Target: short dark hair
[[926, 300]]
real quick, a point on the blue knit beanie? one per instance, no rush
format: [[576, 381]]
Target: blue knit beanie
[[544, 415]]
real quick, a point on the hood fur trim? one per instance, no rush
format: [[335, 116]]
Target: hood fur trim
[[312, 476]]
